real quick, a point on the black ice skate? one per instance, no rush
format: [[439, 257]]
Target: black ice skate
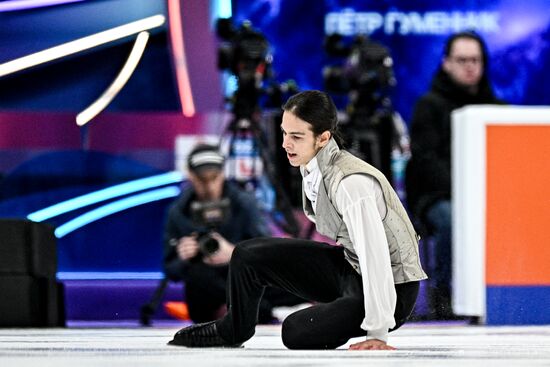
[[203, 335]]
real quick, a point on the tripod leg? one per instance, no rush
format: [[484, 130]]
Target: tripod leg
[[148, 309]]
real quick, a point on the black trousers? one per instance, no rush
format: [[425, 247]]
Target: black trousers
[[205, 294], [311, 270]]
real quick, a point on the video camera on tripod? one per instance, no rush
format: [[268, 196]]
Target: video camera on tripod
[[245, 53], [367, 77], [367, 72], [209, 215]]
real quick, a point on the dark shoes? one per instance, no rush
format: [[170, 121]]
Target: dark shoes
[[203, 335]]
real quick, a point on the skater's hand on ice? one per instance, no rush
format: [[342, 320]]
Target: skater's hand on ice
[[371, 344]]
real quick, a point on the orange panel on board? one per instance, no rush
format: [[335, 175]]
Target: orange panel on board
[[518, 205]]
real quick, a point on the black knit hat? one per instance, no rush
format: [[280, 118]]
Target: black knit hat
[[205, 156]]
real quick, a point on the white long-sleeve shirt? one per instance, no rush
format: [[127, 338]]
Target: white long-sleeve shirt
[[360, 200]]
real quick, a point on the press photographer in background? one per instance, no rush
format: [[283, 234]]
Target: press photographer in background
[[204, 268], [204, 224]]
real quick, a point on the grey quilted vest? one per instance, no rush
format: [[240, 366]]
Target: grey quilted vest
[[335, 164]]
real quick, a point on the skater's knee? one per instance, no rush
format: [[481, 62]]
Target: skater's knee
[[293, 333]]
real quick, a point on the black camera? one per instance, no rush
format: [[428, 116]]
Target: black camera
[[208, 216], [368, 67], [244, 52], [366, 75]]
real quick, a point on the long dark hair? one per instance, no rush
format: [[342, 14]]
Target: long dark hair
[[317, 109]]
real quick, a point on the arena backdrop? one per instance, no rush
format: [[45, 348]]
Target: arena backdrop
[[517, 34]]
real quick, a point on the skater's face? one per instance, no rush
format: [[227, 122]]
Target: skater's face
[[299, 142]]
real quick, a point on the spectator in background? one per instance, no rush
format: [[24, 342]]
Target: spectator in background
[[210, 208], [460, 80]]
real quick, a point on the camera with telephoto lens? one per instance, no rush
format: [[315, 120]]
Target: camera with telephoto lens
[[208, 216]]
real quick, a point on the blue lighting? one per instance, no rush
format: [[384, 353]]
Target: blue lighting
[[231, 84], [105, 194], [224, 8], [220, 9], [103, 275], [31, 4], [115, 207]]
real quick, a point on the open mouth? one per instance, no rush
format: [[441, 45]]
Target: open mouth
[[291, 155]]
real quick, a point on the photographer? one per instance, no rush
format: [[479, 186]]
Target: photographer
[[198, 252]]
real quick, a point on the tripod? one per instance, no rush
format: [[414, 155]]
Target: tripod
[[371, 131], [249, 155], [370, 138]]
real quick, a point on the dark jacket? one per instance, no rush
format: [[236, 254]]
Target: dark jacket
[[244, 221], [428, 175]]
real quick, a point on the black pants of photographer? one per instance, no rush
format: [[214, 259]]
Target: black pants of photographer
[[205, 294], [311, 270]]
